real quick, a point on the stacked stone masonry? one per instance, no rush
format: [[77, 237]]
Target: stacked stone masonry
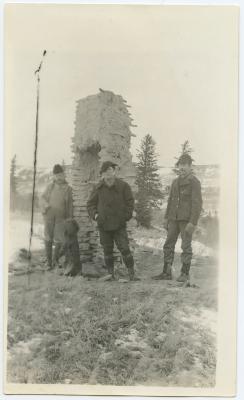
[[102, 132]]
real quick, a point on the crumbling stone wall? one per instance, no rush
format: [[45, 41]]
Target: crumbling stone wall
[[102, 132]]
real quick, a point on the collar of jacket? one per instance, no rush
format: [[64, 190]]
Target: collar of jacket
[[114, 185], [187, 179]]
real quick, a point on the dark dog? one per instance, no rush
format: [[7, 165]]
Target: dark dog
[[70, 249]]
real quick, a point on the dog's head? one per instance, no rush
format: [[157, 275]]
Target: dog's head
[[71, 227]]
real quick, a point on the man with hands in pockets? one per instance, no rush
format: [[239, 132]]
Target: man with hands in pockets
[[111, 204]]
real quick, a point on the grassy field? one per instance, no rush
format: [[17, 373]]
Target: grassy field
[[79, 331]]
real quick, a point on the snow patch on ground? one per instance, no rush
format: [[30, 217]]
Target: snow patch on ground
[[24, 348], [205, 318], [143, 239], [153, 239], [132, 341], [19, 233]]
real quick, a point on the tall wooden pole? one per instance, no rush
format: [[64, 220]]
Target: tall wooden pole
[[37, 73]]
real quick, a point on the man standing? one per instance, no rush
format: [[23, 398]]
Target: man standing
[[111, 204], [181, 217], [57, 206]]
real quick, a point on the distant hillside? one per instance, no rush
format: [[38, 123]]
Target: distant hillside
[[207, 174], [25, 179], [43, 177]]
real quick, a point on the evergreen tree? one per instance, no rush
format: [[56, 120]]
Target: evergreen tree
[[149, 193], [13, 183], [185, 149], [143, 210]]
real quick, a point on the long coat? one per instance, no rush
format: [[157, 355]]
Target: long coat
[[185, 200], [114, 205], [67, 199]]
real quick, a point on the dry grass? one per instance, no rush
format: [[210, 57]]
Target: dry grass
[[79, 331]]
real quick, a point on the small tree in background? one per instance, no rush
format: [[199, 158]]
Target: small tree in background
[[143, 210], [185, 149], [13, 183], [149, 193]]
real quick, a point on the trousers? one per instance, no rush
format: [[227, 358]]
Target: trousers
[[120, 238], [174, 229], [54, 226]]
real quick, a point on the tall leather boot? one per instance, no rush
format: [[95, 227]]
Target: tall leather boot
[[109, 261], [129, 262], [187, 269], [48, 250]]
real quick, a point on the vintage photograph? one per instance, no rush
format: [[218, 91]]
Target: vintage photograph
[[120, 164]]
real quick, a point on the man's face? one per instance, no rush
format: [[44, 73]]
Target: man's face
[[184, 169], [109, 176], [59, 178]]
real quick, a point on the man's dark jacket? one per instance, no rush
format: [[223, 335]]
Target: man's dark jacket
[[185, 200], [114, 205]]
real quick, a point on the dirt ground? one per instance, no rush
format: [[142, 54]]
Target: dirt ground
[[80, 331]]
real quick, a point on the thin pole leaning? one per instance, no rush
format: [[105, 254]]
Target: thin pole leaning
[[37, 73]]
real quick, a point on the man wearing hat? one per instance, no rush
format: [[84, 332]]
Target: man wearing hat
[[57, 206], [181, 217], [111, 204]]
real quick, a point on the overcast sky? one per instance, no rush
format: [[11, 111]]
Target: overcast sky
[[174, 66]]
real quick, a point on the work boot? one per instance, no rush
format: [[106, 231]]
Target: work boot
[[71, 271], [165, 275], [111, 268], [48, 250], [111, 272], [109, 261], [132, 276], [135, 279], [129, 263], [184, 275]]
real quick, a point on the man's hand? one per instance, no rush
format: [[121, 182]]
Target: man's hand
[[95, 216], [189, 228], [166, 224]]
